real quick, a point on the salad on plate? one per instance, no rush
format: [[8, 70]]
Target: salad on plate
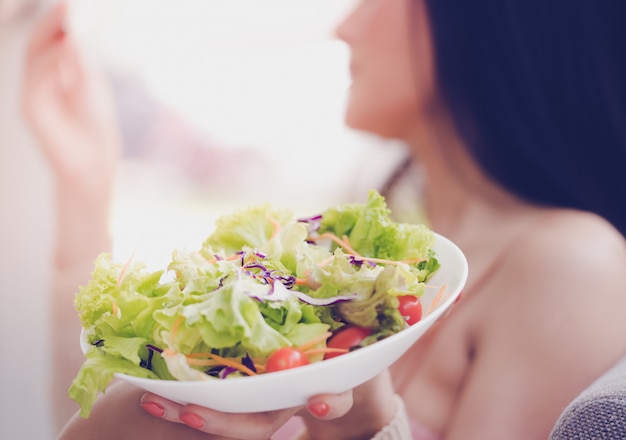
[[264, 292]]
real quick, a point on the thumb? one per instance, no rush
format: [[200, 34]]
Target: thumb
[[330, 406], [49, 28]]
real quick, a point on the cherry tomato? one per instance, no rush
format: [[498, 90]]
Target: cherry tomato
[[410, 308], [285, 358], [346, 338]]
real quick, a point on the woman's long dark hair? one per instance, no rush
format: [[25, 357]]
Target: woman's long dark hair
[[537, 89]]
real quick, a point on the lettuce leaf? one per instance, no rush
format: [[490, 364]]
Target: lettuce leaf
[[95, 375], [248, 227], [373, 233]]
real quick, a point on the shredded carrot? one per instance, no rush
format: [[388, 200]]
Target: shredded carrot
[[305, 281], [194, 358], [168, 352], [175, 327], [206, 260], [383, 261], [214, 360], [196, 355], [124, 270], [345, 244], [260, 368], [229, 258], [436, 299], [315, 351], [114, 308], [277, 226], [313, 342], [220, 360], [326, 261], [349, 247], [301, 282], [334, 238]]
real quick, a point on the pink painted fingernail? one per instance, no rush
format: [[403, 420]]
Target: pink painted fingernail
[[192, 420], [153, 408], [319, 409]]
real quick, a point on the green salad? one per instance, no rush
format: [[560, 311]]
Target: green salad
[[261, 284]]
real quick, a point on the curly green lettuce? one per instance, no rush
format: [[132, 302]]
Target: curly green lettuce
[[261, 281]]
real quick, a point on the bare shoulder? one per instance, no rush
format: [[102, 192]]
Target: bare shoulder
[[568, 278], [572, 250], [575, 235], [551, 319]]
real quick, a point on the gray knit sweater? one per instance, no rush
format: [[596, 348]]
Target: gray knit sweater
[[597, 413]]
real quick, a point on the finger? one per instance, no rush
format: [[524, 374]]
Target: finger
[[71, 69], [46, 56], [49, 29], [330, 406], [54, 75], [256, 426]]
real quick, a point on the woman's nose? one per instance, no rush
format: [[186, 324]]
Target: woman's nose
[[346, 28]]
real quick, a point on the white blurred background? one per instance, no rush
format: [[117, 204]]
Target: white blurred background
[[222, 103], [250, 97]]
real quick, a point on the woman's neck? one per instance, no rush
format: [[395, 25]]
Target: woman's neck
[[458, 197]]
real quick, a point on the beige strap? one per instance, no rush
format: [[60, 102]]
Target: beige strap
[[398, 428]]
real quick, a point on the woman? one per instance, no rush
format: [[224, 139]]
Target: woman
[[515, 110]]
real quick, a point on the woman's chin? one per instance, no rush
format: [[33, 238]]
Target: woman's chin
[[372, 127]]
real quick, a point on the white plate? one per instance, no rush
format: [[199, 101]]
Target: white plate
[[289, 388]]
